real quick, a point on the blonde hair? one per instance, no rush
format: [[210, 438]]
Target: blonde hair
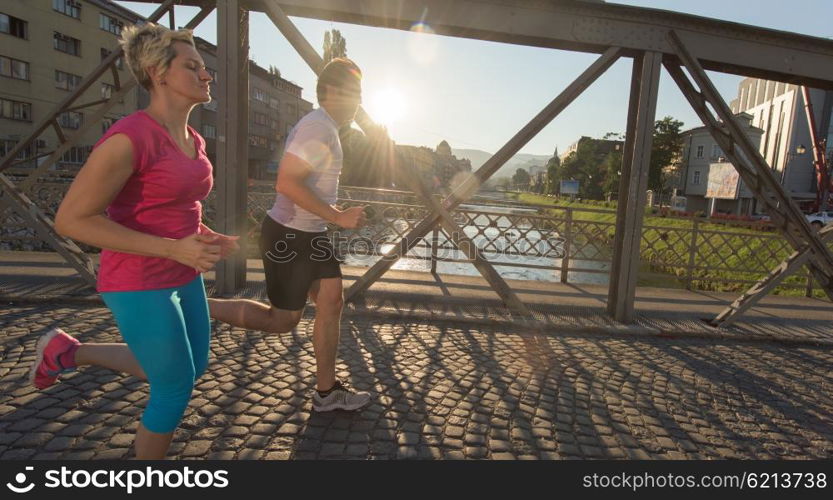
[[151, 46]]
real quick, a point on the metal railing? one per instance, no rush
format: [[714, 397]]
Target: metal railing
[[524, 241]]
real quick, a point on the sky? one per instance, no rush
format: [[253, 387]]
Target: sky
[[476, 95]]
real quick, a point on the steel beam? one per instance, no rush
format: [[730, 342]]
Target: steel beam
[[463, 242], [232, 137], [95, 118], [13, 198], [467, 188], [75, 94], [760, 289], [751, 166], [17, 198], [631, 207], [467, 246], [590, 27]]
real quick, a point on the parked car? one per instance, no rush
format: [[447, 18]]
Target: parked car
[[819, 219]]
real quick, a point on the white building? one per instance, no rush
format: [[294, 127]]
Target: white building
[[779, 110], [703, 162]]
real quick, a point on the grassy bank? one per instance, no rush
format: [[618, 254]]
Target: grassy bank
[[722, 252]]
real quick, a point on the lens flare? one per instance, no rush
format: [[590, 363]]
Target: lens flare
[[423, 45], [387, 106]]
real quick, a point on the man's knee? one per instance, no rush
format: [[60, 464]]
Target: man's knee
[[283, 321], [330, 303]]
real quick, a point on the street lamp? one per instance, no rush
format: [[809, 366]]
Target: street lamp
[[799, 151]]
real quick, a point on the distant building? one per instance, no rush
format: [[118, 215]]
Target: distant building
[[703, 162], [47, 47], [275, 106], [603, 147], [538, 182], [447, 166], [439, 168], [778, 109]]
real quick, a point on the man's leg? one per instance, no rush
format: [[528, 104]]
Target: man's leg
[[253, 315], [332, 394], [329, 301]]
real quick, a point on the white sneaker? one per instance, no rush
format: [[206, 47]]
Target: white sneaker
[[340, 397]]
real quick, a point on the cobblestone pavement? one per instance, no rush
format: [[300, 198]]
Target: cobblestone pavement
[[444, 391]]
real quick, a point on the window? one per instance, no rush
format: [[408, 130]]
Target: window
[[107, 90], [258, 95], [209, 131], [14, 68], [75, 154], [69, 8], [716, 152], [699, 151], [14, 26], [106, 123], [257, 141], [110, 24], [66, 81], [119, 61], [15, 110], [66, 44], [261, 119], [274, 103], [6, 146], [274, 124], [70, 119], [696, 180]]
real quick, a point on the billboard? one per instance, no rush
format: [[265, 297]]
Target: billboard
[[723, 181], [569, 187]]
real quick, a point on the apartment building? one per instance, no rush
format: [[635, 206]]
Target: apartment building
[[47, 47]]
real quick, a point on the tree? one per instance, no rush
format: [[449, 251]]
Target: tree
[[521, 179], [334, 45], [368, 157], [666, 151], [612, 167], [553, 180], [585, 166]]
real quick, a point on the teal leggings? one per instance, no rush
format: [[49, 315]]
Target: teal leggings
[[168, 331]]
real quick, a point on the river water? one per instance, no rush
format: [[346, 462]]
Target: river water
[[496, 234]]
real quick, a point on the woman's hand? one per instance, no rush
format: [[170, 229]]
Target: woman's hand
[[197, 251], [228, 244]]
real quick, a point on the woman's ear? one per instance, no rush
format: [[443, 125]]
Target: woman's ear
[[155, 76]]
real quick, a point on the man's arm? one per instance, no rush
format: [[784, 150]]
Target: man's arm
[[292, 175]]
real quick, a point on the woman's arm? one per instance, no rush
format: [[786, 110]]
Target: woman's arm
[[81, 214]]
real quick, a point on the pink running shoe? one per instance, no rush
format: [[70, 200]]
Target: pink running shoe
[[55, 355]]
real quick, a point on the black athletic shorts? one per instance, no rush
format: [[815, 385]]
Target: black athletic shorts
[[292, 260]]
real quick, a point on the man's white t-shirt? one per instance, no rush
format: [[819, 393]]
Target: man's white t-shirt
[[314, 139]]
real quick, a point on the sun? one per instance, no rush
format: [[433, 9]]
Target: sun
[[387, 106]]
